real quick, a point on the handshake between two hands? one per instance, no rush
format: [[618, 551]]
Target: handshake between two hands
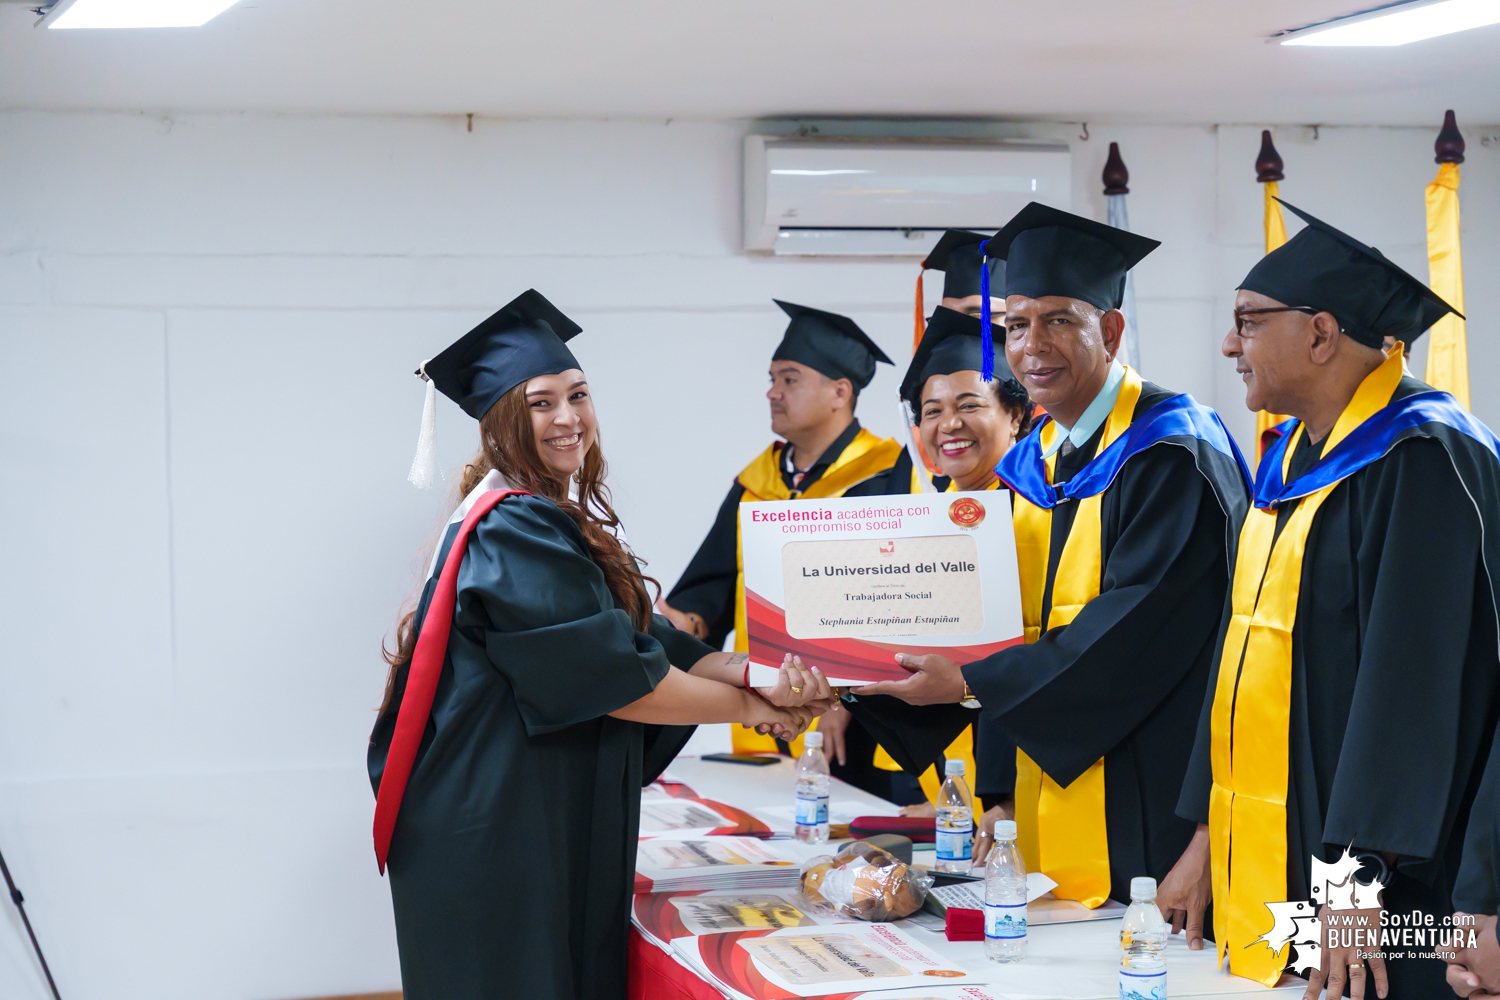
[[801, 693]]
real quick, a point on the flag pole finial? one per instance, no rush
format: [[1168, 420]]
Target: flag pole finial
[[1268, 164], [1116, 177], [1450, 141]]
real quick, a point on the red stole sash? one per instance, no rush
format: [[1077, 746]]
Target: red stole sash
[[422, 680]]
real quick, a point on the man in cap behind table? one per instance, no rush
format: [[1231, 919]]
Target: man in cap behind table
[[1123, 549], [817, 372], [1354, 697]]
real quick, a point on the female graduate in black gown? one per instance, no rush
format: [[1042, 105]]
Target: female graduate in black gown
[[512, 843]]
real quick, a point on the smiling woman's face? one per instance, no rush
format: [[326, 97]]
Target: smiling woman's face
[[562, 420], [965, 427]]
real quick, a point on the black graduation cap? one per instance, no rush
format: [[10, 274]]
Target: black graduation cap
[[1051, 252], [1333, 272], [953, 343], [828, 343], [958, 256], [526, 338]]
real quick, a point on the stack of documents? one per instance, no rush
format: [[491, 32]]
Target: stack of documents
[[848, 960], [720, 864], [690, 818], [663, 917]]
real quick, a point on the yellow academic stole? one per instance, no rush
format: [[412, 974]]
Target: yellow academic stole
[[1252, 707], [866, 456], [1061, 831]]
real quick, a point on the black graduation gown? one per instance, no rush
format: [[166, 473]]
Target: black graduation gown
[[1393, 702], [1125, 680], [1477, 887], [706, 587], [512, 862]]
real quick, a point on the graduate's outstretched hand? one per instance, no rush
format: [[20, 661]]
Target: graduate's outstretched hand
[[797, 685], [934, 680], [1343, 965], [1185, 892], [1475, 972]]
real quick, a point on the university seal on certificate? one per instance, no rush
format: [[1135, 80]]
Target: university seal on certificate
[[966, 512], [846, 583]]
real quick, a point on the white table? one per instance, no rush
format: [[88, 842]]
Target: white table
[[1077, 961]]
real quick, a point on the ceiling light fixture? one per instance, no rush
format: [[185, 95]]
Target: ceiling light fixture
[[133, 13], [1396, 23]]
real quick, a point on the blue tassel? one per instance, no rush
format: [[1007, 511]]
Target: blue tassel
[[986, 338]]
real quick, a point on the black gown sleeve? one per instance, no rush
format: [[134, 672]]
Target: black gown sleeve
[[1419, 696], [683, 650], [706, 587], [1477, 889], [914, 735], [549, 622], [1073, 695], [662, 743], [1197, 784]]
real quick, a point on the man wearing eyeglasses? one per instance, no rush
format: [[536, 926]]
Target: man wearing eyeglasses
[[1126, 503], [1355, 688]]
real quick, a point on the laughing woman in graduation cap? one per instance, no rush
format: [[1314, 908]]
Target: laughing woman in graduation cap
[[509, 755], [967, 424]]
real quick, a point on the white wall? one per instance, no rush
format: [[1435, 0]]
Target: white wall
[[207, 330]]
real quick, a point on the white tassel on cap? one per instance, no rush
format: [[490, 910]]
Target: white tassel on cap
[[424, 465]]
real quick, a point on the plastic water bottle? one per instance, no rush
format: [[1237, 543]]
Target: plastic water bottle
[[1005, 897], [1143, 942], [955, 821], [812, 791]]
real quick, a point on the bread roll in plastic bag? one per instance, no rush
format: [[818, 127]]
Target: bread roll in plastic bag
[[865, 883]]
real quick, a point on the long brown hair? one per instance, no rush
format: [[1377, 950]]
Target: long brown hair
[[508, 444]]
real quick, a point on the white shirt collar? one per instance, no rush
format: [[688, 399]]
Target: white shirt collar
[[1094, 416]]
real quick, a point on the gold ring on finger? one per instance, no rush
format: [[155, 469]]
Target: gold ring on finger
[[796, 690]]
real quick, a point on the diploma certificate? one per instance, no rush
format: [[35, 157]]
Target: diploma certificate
[[847, 583]]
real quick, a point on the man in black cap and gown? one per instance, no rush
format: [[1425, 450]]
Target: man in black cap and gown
[[1123, 544], [1353, 700], [958, 256], [817, 372]]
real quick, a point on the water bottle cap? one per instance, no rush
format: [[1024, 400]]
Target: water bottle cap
[[953, 767], [813, 740], [1005, 829], [1142, 889]]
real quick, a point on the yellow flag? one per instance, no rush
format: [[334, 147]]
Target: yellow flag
[[1447, 342], [1275, 224], [1275, 236]]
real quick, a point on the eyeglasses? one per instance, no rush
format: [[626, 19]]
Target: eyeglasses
[[1240, 314]]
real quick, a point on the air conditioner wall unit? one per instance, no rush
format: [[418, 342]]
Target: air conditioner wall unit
[[816, 196]]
